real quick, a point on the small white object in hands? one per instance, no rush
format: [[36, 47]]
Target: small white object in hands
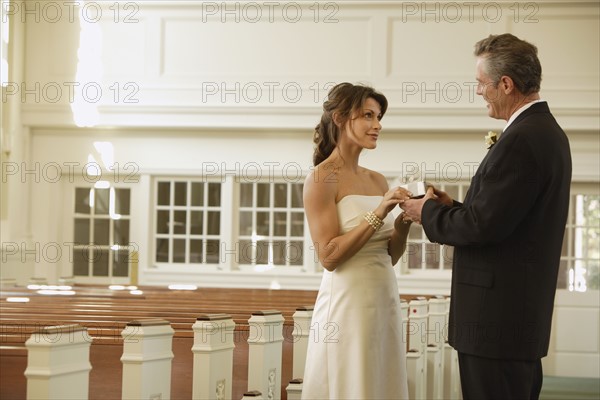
[[418, 189]]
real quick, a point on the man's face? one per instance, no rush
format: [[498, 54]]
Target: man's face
[[496, 98]]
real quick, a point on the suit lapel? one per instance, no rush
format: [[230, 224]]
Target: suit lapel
[[535, 108]]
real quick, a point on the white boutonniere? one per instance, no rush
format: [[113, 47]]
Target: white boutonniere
[[491, 139]]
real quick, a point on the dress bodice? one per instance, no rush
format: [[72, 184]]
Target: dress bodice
[[351, 210]]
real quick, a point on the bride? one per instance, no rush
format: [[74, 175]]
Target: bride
[[355, 348]]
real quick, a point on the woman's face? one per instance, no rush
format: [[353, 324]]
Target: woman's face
[[363, 127]]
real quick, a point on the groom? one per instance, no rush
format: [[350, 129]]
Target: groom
[[508, 232]]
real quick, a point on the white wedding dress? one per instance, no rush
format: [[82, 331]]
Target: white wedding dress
[[355, 348]]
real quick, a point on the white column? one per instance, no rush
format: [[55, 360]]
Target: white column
[[252, 395], [404, 313], [417, 336], [147, 356], [452, 388], [294, 389], [414, 359], [58, 363], [213, 356], [414, 369], [265, 345], [435, 350], [302, 318], [438, 324]]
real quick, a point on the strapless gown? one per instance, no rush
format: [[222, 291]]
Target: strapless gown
[[355, 348]]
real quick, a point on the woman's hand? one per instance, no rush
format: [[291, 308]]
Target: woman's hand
[[391, 199], [402, 222]]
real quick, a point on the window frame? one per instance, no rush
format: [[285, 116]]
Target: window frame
[[577, 188], [132, 246]]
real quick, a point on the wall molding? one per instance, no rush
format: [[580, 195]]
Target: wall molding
[[290, 117]]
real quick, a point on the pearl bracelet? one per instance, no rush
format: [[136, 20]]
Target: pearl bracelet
[[373, 220]]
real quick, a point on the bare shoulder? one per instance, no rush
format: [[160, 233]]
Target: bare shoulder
[[377, 178], [320, 184]]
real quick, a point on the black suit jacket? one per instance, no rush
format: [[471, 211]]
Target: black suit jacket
[[507, 236]]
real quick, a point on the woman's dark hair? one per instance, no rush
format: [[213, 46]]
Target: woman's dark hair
[[507, 55], [344, 99]]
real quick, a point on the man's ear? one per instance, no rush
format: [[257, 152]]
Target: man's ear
[[507, 84]]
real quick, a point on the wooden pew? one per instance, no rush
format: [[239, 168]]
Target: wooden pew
[[106, 313]]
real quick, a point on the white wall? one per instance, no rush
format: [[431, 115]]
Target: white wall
[[180, 88]]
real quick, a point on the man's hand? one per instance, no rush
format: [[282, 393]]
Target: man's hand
[[442, 197], [413, 207]]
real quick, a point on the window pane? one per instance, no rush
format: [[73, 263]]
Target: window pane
[[197, 193], [121, 231], [593, 278], [262, 252], [414, 255], [196, 222], [262, 195], [295, 253], [245, 223], [432, 256], [591, 210], [246, 194], [592, 243], [122, 201], [297, 195], [180, 193], [214, 194], [212, 251], [196, 251], [565, 250], [280, 224], [100, 261], [178, 250], [452, 191], [448, 254], [179, 221], [563, 275], [162, 250], [82, 231], [162, 221], [214, 222], [262, 223], [121, 263], [280, 195], [101, 200], [572, 213], [81, 262], [415, 232], [82, 200], [245, 252], [279, 249], [164, 193], [101, 232], [297, 224]]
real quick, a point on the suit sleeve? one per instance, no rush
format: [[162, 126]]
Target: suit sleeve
[[504, 192]]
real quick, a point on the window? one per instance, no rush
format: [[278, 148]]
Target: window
[[580, 257], [187, 221], [101, 232], [228, 224], [271, 224], [420, 253]]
